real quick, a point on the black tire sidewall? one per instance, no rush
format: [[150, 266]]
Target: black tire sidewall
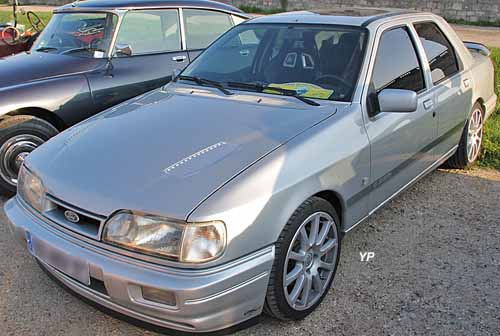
[[309, 207], [18, 125]]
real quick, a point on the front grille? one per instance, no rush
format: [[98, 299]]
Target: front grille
[[89, 224]]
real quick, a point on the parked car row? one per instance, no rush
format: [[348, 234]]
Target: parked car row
[[204, 202]]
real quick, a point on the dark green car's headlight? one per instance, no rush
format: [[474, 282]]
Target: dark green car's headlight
[[155, 235]]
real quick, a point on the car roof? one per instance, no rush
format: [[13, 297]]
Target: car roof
[[128, 4], [353, 16]]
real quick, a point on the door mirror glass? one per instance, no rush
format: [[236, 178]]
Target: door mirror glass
[[397, 100], [123, 50]]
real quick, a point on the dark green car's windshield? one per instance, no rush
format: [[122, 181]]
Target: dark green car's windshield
[[78, 34], [321, 62]]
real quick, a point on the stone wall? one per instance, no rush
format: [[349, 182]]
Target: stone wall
[[469, 10]]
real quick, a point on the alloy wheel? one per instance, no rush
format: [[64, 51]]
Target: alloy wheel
[[474, 135], [310, 261]]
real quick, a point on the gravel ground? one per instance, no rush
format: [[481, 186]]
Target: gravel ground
[[436, 271]]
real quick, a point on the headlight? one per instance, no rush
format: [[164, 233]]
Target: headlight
[[31, 189], [181, 241]]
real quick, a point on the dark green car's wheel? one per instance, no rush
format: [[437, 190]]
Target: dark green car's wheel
[[307, 255], [19, 136]]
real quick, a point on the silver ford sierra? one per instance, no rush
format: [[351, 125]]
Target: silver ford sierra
[[226, 193]]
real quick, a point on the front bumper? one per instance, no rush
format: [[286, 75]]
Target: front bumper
[[205, 300]]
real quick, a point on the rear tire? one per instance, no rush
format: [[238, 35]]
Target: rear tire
[[306, 258], [19, 135], [471, 140]]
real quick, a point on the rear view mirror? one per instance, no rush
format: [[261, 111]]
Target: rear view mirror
[[123, 50], [395, 100]]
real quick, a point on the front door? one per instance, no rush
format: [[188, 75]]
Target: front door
[[147, 50], [401, 143]]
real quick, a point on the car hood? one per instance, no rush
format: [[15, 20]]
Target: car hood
[[166, 151], [27, 67]]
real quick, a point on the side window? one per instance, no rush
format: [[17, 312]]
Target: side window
[[440, 53], [148, 32], [204, 26], [397, 65]]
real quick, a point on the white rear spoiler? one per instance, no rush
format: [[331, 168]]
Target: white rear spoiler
[[478, 47]]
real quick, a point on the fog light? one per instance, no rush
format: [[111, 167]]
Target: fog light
[[158, 296]]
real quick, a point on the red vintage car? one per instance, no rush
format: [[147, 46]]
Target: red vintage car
[[12, 40]]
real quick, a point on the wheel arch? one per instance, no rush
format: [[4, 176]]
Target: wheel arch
[[41, 113], [335, 200]]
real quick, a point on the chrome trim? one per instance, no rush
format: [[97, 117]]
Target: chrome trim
[[183, 31], [415, 179]]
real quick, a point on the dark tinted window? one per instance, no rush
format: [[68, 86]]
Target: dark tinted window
[[439, 51], [397, 65]]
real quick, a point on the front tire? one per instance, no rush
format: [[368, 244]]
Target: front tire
[[306, 259], [471, 140], [19, 136]]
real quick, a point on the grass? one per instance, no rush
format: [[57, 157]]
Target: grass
[[6, 16], [491, 141], [258, 10]]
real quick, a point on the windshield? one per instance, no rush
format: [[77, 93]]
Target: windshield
[[77, 34], [314, 61]]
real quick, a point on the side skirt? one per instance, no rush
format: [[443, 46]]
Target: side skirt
[[429, 169]]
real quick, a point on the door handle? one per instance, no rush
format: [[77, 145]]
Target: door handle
[[428, 104], [179, 58], [467, 82]]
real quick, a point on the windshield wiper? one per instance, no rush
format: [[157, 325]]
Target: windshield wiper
[[70, 51], [203, 81], [45, 49], [285, 92]]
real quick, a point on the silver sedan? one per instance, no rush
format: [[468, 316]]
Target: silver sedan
[[226, 193]]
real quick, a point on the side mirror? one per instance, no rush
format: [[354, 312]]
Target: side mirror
[[396, 100], [123, 50]]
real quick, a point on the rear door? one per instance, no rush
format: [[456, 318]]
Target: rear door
[[202, 27], [452, 87], [400, 142], [154, 38]]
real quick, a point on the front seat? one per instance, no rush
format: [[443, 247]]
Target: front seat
[[297, 61], [336, 58]]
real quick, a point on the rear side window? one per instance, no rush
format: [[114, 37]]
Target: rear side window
[[397, 65], [440, 53], [204, 26]]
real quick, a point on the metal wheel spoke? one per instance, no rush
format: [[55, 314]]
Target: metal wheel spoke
[[294, 274], [297, 289], [317, 283], [304, 239], [306, 291], [325, 265], [297, 256], [325, 248], [323, 233], [314, 230]]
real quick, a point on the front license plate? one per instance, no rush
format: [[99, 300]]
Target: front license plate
[[68, 264]]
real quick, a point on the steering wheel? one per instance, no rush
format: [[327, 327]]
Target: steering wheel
[[327, 79], [35, 21], [15, 35]]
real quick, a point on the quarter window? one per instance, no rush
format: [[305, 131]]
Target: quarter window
[[440, 53], [149, 32], [203, 27], [397, 65]]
